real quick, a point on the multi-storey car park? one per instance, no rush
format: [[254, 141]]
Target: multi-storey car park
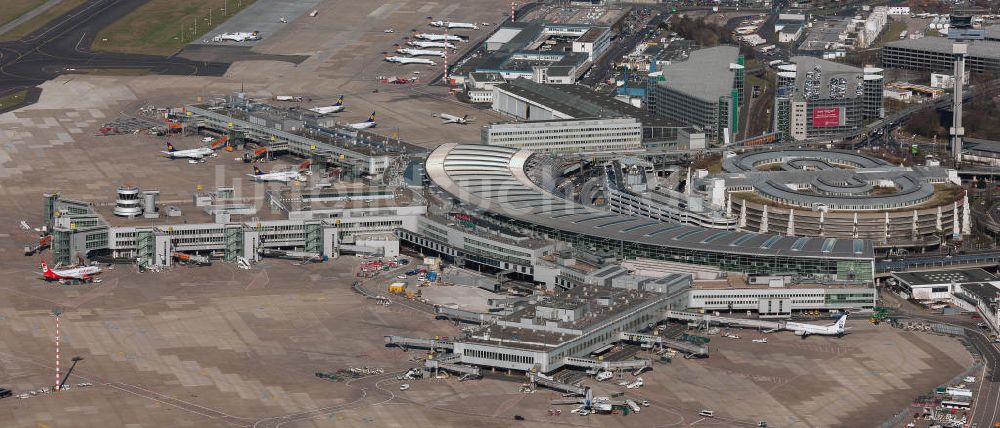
[[936, 53], [495, 184], [816, 98], [825, 193]]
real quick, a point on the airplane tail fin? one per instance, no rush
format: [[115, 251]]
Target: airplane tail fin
[[170, 148], [304, 166], [841, 322], [256, 171], [466, 117], [45, 267], [340, 101], [371, 117]]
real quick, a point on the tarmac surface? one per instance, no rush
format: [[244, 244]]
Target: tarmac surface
[[64, 44], [219, 346], [223, 347], [264, 16]]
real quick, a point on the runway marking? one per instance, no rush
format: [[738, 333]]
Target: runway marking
[[382, 10], [77, 47]]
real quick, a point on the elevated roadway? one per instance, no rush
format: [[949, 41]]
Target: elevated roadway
[[938, 262]]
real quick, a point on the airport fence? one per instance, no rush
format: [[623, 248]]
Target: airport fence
[[900, 417]]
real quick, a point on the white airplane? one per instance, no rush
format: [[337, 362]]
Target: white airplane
[[447, 118], [282, 176], [335, 108], [603, 376], [237, 37], [404, 60], [195, 154], [426, 44], [82, 273], [438, 37], [802, 329], [637, 384], [419, 52], [462, 25], [370, 123]]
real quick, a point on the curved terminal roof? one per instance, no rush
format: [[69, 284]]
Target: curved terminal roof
[[495, 180]]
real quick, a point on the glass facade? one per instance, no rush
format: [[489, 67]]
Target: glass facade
[[747, 263]]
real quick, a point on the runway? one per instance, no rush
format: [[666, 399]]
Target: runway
[[64, 45]]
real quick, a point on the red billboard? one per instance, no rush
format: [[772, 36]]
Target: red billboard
[[826, 117]]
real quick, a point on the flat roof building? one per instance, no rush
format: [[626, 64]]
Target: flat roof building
[[544, 52], [935, 53], [816, 98], [322, 223], [523, 99], [939, 285], [584, 136], [702, 91]]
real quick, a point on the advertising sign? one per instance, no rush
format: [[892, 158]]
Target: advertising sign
[[826, 117]]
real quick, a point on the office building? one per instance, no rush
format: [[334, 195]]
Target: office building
[[568, 136], [525, 100], [702, 91]]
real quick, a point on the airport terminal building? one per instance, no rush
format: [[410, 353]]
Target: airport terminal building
[[137, 228], [495, 184]]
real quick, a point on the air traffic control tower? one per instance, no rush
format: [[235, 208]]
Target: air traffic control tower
[[961, 30]]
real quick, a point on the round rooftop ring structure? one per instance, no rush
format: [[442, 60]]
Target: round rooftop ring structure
[[832, 180], [809, 192]]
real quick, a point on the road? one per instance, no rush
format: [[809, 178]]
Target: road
[[64, 44], [986, 392], [601, 70]]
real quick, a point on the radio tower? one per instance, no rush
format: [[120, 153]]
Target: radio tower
[[961, 32], [447, 80], [56, 312]]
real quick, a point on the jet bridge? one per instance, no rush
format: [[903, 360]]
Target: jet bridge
[[464, 315], [686, 347], [738, 322], [556, 385], [607, 365], [412, 342], [436, 364]]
